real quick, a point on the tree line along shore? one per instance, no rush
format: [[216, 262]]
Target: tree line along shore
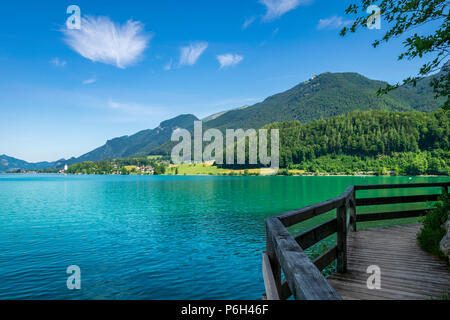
[[357, 143]]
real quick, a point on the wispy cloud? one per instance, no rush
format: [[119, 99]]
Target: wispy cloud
[[89, 81], [136, 109], [277, 8], [191, 53], [169, 65], [102, 40], [229, 60], [58, 62], [334, 22], [248, 22], [275, 32]]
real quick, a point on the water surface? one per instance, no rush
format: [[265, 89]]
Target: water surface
[[148, 237]]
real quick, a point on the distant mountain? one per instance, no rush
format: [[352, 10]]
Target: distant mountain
[[9, 163], [141, 143], [325, 96], [216, 115], [322, 97], [421, 97]]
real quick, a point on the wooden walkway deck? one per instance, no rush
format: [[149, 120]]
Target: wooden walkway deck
[[407, 272]]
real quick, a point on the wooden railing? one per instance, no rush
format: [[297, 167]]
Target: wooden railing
[[285, 253]]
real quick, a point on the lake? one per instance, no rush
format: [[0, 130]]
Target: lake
[[149, 237]]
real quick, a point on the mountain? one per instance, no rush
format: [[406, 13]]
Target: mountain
[[421, 96], [141, 143], [216, 115], [322, 97], [9, 163], [406, 142], [325, 96]]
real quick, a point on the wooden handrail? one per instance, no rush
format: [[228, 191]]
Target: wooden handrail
[[401, 186], [391, 215], [394, 200], [286, 253], [304, 279], [294, 217], [314, 235]]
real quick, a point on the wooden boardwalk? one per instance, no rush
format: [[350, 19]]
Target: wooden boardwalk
[[407, 272]]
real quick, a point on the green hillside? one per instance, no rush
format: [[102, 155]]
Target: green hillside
[[328, 95], [141, 143], [395, 140], [10, 164]]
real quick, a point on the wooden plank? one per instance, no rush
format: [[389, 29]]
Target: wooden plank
[[394, 200], [285, 292], [293, 217], [274, 264], [390, 215], [341, 225], [351, 209], [296, 216], [304, 279], [325, 259], [407, 272], [349, 192], [314, 235], [400, 186], [269, 280]]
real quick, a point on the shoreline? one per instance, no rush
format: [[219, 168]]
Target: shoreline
[[230, 175]]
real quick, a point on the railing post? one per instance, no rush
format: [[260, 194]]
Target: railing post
[[352, 212], [445, 190], [341, 239], [276, 267]]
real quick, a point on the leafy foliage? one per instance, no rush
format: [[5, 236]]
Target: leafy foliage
[[432, 232], [407, 15], [117, 166], [404, 142]]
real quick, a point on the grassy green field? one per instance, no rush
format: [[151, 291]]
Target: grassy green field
[[204, 169]]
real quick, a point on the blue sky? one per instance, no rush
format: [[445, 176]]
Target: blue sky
[[65, 92]]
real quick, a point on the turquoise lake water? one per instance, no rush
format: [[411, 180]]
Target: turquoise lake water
[[149, 237]]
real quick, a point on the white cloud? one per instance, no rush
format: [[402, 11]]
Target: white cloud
[[58, 62], [229, 59], [89, 81], [168, 66], [334, 22], [248, 22], [277, 8], [102, 40], [191, 53]]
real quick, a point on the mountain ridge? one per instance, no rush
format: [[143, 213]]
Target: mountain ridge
[[321, 97], [328, 95]]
